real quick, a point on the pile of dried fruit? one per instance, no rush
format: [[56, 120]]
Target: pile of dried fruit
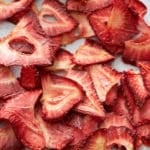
[[75, 101]]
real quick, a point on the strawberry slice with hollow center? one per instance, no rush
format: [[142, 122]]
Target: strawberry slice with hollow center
[[91, 53], [90, 104], [104, 78], [87, 5], [59, 96], [19, 111], [54, 19], [11, 8], [27, 44], [9, 86]]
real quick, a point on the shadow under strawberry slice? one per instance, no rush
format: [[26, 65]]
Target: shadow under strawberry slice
[[55, 19], [59, 95], [19, 111]]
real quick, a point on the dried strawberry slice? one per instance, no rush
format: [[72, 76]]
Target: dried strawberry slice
[[12, 8], [27, 44], [30, 78], [54, 19], [136, 85], [57, 135], [63, 61], [113, 120], [19, 111], [8, 139], [145, 71], [83, 30], [143, 135], [9, 86], [87, 6], [90, 104], [119, 137], [91, 53], [104, 78], [59, 95], [117, 28]]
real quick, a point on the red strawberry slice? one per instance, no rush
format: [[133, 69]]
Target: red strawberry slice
[[30, 78], [120, 137], [63, 61], [9, 86], [12, 8], [59, 96], [91, 53], [136, 86], [19, 111], [87, 6], [57, 135], [90, 104], [113, 120], [104, 78], [143, 135], [97, 141], [8, 139], [83, 30], [27, 44], [54, 18], [117, 28], [145, 71]]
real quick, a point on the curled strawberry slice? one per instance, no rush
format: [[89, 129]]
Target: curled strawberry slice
[[59, 96], [19, 111], [27, 44], [54, 18], [87, 5], [8, 139], [9, 86], [12, 8]]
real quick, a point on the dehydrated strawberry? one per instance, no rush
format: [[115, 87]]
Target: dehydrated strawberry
[[83, 30], [27, 44], [30, 77], [113, 120], [9, 86], [63, 61], [90, 104], [91, 53], [8, 139], [59, 95], [116, 29], [87, 5], [104, 78], [12, 8], [19, 111], [54, 18], [57, 135]]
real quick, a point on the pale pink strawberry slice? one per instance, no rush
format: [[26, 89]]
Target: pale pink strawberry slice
[[104, 78], [27, 44], [57, 135], [59, 95], [55, 19], [83, 30], [87, 5], [19, 111], [143, 135], [63, 61], [136, 86], [113, 120], [120, 138], [9, 86], [12, 8], [8, 140], [91, 53], [90, 104]]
